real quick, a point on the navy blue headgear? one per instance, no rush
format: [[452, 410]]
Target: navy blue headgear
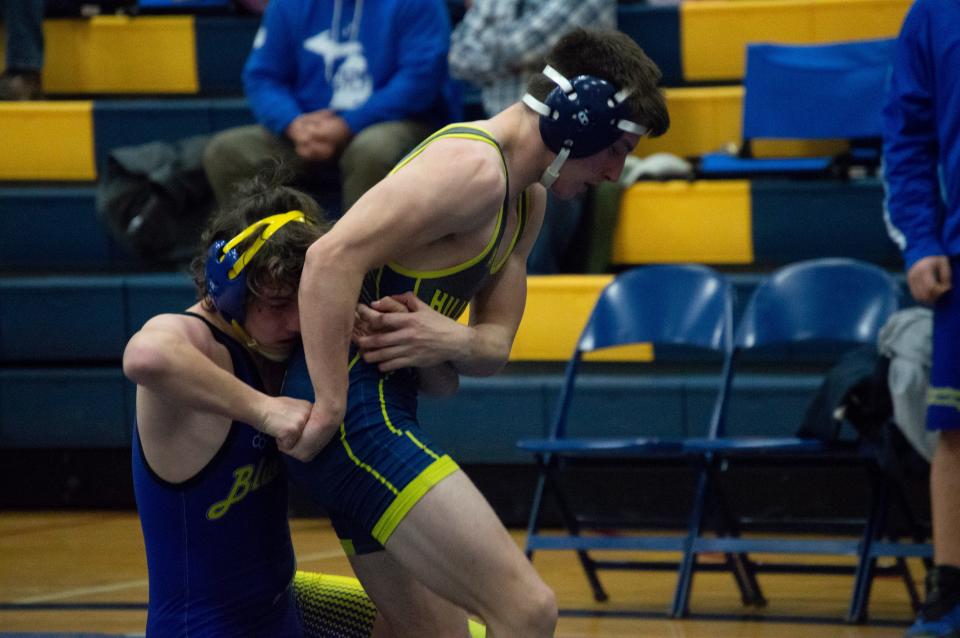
[[226, 277], [580, 117]]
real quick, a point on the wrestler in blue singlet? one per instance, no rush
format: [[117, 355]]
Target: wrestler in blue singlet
[[371, 475], [200, 533]]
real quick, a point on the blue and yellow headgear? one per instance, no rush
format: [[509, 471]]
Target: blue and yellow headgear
[[226, 277]]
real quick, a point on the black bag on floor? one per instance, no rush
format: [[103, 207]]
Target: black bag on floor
[[155, 198]]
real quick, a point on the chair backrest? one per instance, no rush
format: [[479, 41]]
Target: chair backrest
[[683, 305], [665, 304], [833, 300], [824, 91]]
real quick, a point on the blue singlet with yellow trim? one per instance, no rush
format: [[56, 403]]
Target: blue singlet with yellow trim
[[219, 556], [382, 463]]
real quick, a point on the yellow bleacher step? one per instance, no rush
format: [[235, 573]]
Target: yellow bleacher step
[[120, 54], [46, 141], [714, 33], [558, 307], [679, 221]]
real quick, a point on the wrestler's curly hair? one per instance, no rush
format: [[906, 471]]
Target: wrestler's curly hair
[[276, 268]]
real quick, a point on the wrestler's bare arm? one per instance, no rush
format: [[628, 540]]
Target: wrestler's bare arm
[[452, 188], [184, 373]]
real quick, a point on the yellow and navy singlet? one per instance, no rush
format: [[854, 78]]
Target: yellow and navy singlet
[[382, 463], [449, 290], [219, 557]]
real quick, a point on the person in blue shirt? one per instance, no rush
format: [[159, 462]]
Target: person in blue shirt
[[341, 90], [922, 174], [451, 225]]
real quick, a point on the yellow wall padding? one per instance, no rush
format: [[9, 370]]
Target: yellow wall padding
[[702, 120], [558, 307], [46, 141], [120, 54], [714, 33], [679, 221]]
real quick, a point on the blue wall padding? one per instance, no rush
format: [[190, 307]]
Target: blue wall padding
[[78, 318], [61, 319], [150, 295], [794, 220], [63, 408], [53, 229]]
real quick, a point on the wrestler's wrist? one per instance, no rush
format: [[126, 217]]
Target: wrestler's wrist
[[464, 343]]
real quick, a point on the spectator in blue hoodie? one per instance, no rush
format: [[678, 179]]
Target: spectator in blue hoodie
[[922, 171], [341, 91]]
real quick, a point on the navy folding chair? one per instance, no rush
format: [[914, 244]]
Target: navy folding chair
[[808, 92], [841, 302], [665, 305]]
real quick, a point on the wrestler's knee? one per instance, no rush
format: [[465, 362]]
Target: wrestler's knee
[[531, 611], [539, 611]]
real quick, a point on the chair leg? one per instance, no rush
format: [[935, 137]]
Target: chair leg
[[681, 597], [918, 536], [909, 584], [573, 527], [741, 567], [866, 561], [533, 523]]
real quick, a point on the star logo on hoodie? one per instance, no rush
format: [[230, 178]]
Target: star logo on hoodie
[[331, 49]]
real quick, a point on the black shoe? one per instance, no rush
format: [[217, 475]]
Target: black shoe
[[20, 85], [939, 616]]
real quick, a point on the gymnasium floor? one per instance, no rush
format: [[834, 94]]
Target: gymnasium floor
[[80, 573]]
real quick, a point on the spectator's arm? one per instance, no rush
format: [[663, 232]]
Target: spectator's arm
[[270, 74], [422, 43], [910, 144]]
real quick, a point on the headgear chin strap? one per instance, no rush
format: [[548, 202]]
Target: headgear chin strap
[[227, 279], [580, 117]]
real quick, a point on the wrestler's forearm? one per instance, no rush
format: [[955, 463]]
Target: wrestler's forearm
[[483, 350], [171, 368], [327, 297]]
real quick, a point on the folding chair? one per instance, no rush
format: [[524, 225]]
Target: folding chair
[[669, 305], [830, 301], [808, 92]]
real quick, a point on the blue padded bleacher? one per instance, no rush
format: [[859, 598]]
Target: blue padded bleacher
[[130, 122], [826, 91], [54, 229]]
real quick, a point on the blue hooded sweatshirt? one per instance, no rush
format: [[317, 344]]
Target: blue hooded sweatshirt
[[922, 133], [370, 62]]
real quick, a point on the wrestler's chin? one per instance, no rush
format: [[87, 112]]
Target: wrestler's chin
[[564, 191]]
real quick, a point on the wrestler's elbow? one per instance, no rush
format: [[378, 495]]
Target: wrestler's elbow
[[144, 360]]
